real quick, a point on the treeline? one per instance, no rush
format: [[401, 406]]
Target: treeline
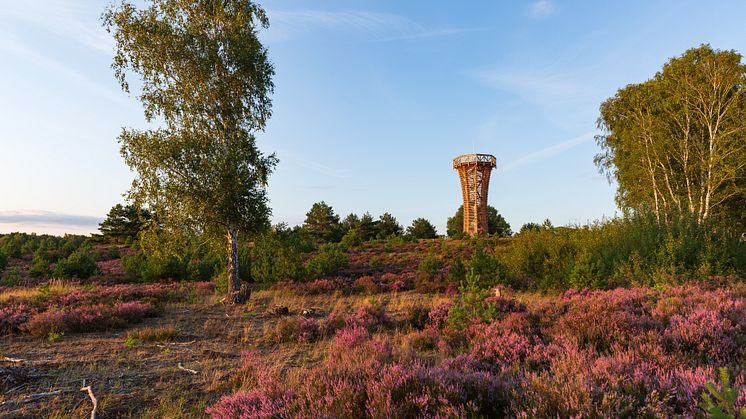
[[69, 256]]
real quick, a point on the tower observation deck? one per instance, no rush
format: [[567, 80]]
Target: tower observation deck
[[474, 171]]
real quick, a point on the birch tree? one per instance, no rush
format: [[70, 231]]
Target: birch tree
[[677, 143], [205, 81]]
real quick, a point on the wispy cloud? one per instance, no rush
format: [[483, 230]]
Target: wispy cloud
[[548, 152], [534, 87], [57, 68], [47, 222], [322, 169], [77, 20], [288, 24], [541, 9]]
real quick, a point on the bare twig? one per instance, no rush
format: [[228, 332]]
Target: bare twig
[[181, 367], [165, 344], [38, 396], [9, 359], [16, 388], [94, 415]]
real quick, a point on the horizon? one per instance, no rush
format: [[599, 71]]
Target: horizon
[[365, 91]]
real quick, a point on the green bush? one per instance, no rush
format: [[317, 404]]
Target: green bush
[[3, 261], [79, 264], [277, 255], [722, 402], [39, 267], [352, 239], [430, 265], [153, 268], [329, 261], [158, 268], [489, 270], [470, 304], [636, 250], [457, 272], [12, 277]]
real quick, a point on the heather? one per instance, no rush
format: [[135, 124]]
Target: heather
[[69, 307], [617, 353]]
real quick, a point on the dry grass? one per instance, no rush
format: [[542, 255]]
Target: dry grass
[[143, 380], [52, 287], [154, 334]]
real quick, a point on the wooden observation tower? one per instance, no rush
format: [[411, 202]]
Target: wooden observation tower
[[474, 171]]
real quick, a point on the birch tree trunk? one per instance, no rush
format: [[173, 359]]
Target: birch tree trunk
[[238, 294]]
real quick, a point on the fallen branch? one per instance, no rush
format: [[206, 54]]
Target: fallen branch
[[9, 359], [94, 415], [181, 367], [38, 396], [165, 344], [16, 388]]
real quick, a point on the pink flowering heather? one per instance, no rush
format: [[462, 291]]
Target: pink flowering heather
[[12, 317], [707, 333], [251, 404], [368, 316]]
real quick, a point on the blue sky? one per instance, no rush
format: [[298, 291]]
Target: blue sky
[[372, 101]]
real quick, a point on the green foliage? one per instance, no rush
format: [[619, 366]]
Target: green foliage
[[388, 226], [329, 261], [720, 403], [3, 261], [422, 229], [633, 250], [154, 267], [530, 227], [430, 265], [496, 224], [12, 277], [39, 267], [132, 342], [207, 79], [673, 149], [487, 268], [322, 224], [79, 264], [458, 271], [374, 263], [113, 253], [368, 227], [470, 305], [352, 238], [123, 222], [55, 336], [158, 268], [277, 255]]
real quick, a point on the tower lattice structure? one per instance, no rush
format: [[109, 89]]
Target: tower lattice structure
[[474, 171]]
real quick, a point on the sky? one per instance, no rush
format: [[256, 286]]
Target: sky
[[373, 99]]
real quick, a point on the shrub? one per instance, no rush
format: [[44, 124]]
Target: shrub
[[3, 260], [86, 319], [329, 261], [371, 316], [722, 402], [430, 265], [295, 329], [79, 264], [470, 304], [422, 229], [39, 267], [352, 239], [276, 256], [12, 277], [417, 316], [489, 270]]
